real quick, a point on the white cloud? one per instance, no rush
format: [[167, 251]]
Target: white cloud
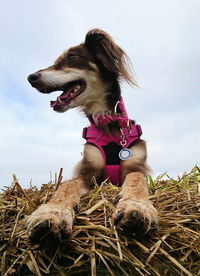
[[161, 39], [34, 147], [173, 142]]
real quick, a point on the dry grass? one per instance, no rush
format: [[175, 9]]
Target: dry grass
[[96, 248]]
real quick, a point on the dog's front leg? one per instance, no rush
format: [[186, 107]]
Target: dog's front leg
[[134, 212], [53, 221]]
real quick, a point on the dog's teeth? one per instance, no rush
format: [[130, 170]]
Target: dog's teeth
[[59, 100], [77, 87]]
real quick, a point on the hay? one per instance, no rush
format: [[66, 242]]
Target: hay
[[96, 248]]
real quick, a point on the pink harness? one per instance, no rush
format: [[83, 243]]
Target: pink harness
[[111, 145]]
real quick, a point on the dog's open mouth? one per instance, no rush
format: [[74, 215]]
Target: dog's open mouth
[[71, 91]]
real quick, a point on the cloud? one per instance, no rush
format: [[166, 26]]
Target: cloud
[[32, 147], [161, 39], [173, 142]]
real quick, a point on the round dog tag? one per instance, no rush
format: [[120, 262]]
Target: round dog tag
[[125, 154]]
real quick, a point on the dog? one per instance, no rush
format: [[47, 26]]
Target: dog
[[89, 75]]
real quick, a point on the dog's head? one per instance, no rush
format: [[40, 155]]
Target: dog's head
[[87, 74]]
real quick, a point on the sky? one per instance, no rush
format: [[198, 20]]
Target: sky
[[162, 40]]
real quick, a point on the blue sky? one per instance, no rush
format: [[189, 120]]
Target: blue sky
[[161, 38]]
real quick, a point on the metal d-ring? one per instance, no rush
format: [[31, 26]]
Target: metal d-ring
[[115, 109]]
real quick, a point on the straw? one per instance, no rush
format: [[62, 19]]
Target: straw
[[96, 247]]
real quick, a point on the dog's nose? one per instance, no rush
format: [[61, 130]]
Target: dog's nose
[[33, 78]]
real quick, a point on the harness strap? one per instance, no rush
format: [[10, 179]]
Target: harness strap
[[105, 119], [110, 146]]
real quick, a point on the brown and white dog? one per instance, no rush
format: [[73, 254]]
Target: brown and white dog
[[89, 76]]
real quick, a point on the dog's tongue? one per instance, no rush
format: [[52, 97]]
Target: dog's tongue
[[65, 97]]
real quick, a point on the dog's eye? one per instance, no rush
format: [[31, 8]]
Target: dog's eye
[[71, 56]]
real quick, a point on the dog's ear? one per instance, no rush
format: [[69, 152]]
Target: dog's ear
[[109, 54]]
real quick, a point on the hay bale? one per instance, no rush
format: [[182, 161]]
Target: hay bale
[[96, 248]]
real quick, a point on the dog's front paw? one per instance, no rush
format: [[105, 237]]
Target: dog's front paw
[[135, 216], [49, 224]]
